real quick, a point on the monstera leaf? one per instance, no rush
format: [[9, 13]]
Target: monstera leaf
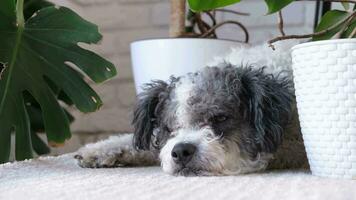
[[38, 57], [33, 108]]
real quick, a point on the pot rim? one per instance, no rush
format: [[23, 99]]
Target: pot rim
[[333, 41], [167, 38]]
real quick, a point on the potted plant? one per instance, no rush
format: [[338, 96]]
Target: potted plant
[[324, 77], [38, 56], [188, 49]]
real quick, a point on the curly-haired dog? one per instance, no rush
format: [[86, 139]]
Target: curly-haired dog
[[221, 120]]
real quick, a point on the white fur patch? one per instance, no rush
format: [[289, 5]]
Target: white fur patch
[[182, 93], [112, 145], [262, 55]]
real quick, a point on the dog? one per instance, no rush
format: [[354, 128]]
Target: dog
[[222, 120]]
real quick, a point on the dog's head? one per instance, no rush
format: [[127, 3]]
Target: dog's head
[[221, 120]]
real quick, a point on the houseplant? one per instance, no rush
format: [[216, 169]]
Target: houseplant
[[324, 76], [185, 51], [41, 64]]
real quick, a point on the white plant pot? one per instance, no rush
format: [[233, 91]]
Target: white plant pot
[[325, 87], [158, 59]]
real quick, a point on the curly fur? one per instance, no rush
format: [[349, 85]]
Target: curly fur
[[241, 119]]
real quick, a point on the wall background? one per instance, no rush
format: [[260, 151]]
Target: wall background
[[124, 21]]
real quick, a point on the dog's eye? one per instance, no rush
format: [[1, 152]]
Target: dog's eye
[[220, 118]]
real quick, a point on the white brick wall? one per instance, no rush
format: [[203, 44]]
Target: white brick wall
[[123, 21]]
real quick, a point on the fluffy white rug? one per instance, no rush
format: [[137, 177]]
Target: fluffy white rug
[[60, 178]]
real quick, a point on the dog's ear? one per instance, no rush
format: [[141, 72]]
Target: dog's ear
[[268, 100], [149, 104]]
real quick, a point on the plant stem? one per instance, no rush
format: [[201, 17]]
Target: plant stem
[[232, 11], [20, 23], [210, 31], [20, 20], [353, 33], [270, 42], [344, 27], [200, 24], [177, 21], [211, 16], [280, 23]]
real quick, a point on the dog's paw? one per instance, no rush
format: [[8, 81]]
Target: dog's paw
[[94, 158], [114, 152]]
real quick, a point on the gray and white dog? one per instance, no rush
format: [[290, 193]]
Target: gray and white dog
[[222, 120]]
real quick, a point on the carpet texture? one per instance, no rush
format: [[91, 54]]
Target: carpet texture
[[60, 178]]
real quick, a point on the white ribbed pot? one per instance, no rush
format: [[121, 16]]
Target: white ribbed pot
[[158, 59], [325, 87]]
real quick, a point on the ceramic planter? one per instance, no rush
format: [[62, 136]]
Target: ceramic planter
[[162, 58], [325, 87]]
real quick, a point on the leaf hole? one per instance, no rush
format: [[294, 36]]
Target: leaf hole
[[88, 46], [2, 69], [34, 111], [94, 99], [61, 96], [76, 69], [30, 100], [12, 143], [34, 14]]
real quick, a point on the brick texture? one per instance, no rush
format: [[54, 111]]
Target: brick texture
[[124, 21]]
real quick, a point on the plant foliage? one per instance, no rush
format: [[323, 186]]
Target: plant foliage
[[344, 30], [37, 57], [329, 19], [202, 5]]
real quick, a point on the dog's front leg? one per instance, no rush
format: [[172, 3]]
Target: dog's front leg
[[115, 152]]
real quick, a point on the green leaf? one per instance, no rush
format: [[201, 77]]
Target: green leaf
[[276, 5], [7, 10], [5, 143], [64, 98], [329, 19], [36, 54], [35, 114], [349, 30], [33, 108], [37, 124], [202, 5], [345, 5], [38, 145], [23, 148]]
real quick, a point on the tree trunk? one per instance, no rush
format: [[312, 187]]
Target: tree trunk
[[177, 21]]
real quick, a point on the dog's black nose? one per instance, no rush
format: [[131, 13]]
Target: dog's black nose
[[182, 153]]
